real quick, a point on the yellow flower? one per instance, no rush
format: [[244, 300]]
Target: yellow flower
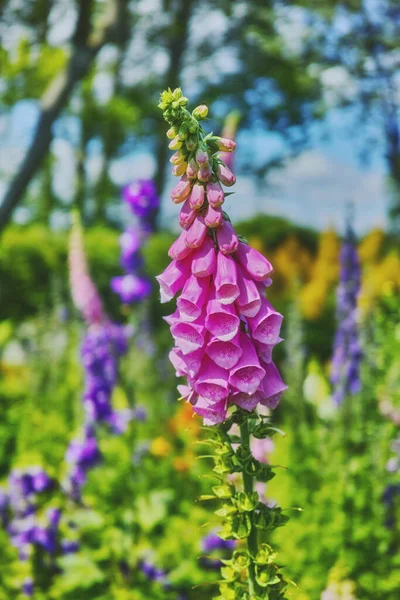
[[370, 246], [185, 420], [312, 298], [184, 463], [160, 447], [256, 242]]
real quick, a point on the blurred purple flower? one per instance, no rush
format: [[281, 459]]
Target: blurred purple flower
[[212, 542], [142, 197], [27, 587], [153, 573], [131, 288], [102, 347], [347, 353], [69, 546], [82, 455]]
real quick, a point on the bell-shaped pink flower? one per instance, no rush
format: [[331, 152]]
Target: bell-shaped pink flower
[[264, 351], [246, 401], [226, 279], [187, 215], [174, 318], [186, 364], [227, 239], [224, 354], [179, 250], [212, 381], [256, 265], [187, 393], [225, 175], [181, 191], [193, 297], [272, 386], [189, 337], [212, 413], [213, 217], [249, 299], [192, 169], [173, 278], [247, 374], [196, 234], [175, 357], [222, 320], [215, 194], [196, 198], [266, 325], [204, 259]]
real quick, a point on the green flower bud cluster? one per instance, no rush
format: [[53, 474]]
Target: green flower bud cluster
[[251, 573], [196, 154]]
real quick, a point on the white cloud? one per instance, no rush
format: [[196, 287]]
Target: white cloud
[[314, 189]]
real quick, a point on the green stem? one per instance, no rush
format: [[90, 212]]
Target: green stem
[[252, 543]]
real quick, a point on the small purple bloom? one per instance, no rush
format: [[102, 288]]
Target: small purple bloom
[[27, 587], [69, 546], [212, 542], [131, 288], [142, 197]]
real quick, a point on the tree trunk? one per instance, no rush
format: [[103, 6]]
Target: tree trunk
[[57, 96]]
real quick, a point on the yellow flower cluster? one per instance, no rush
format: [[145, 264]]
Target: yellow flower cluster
[[380, 275], [294, 266], [292, 263], [324, 273]]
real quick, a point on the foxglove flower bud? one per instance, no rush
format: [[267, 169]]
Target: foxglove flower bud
[[204, 173], [225, 145], [175, 144], [187, 215], [179, 248], [197, 233], [227, 239], [215, 194], [200, 112], [179, 170], [197, 196], [181, 191], [192, 169], [171, 133], [213, 217], [225, 175], [202, 157]]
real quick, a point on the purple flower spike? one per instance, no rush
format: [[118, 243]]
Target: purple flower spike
[[347, 353]]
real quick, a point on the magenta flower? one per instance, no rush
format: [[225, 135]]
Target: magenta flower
[[224, 327]]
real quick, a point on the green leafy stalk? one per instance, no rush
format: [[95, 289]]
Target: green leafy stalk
[[251, 573]]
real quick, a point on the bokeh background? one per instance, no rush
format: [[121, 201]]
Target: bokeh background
[[311, 94]]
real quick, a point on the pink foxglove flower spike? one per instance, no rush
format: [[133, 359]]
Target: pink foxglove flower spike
[[225, 331]]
